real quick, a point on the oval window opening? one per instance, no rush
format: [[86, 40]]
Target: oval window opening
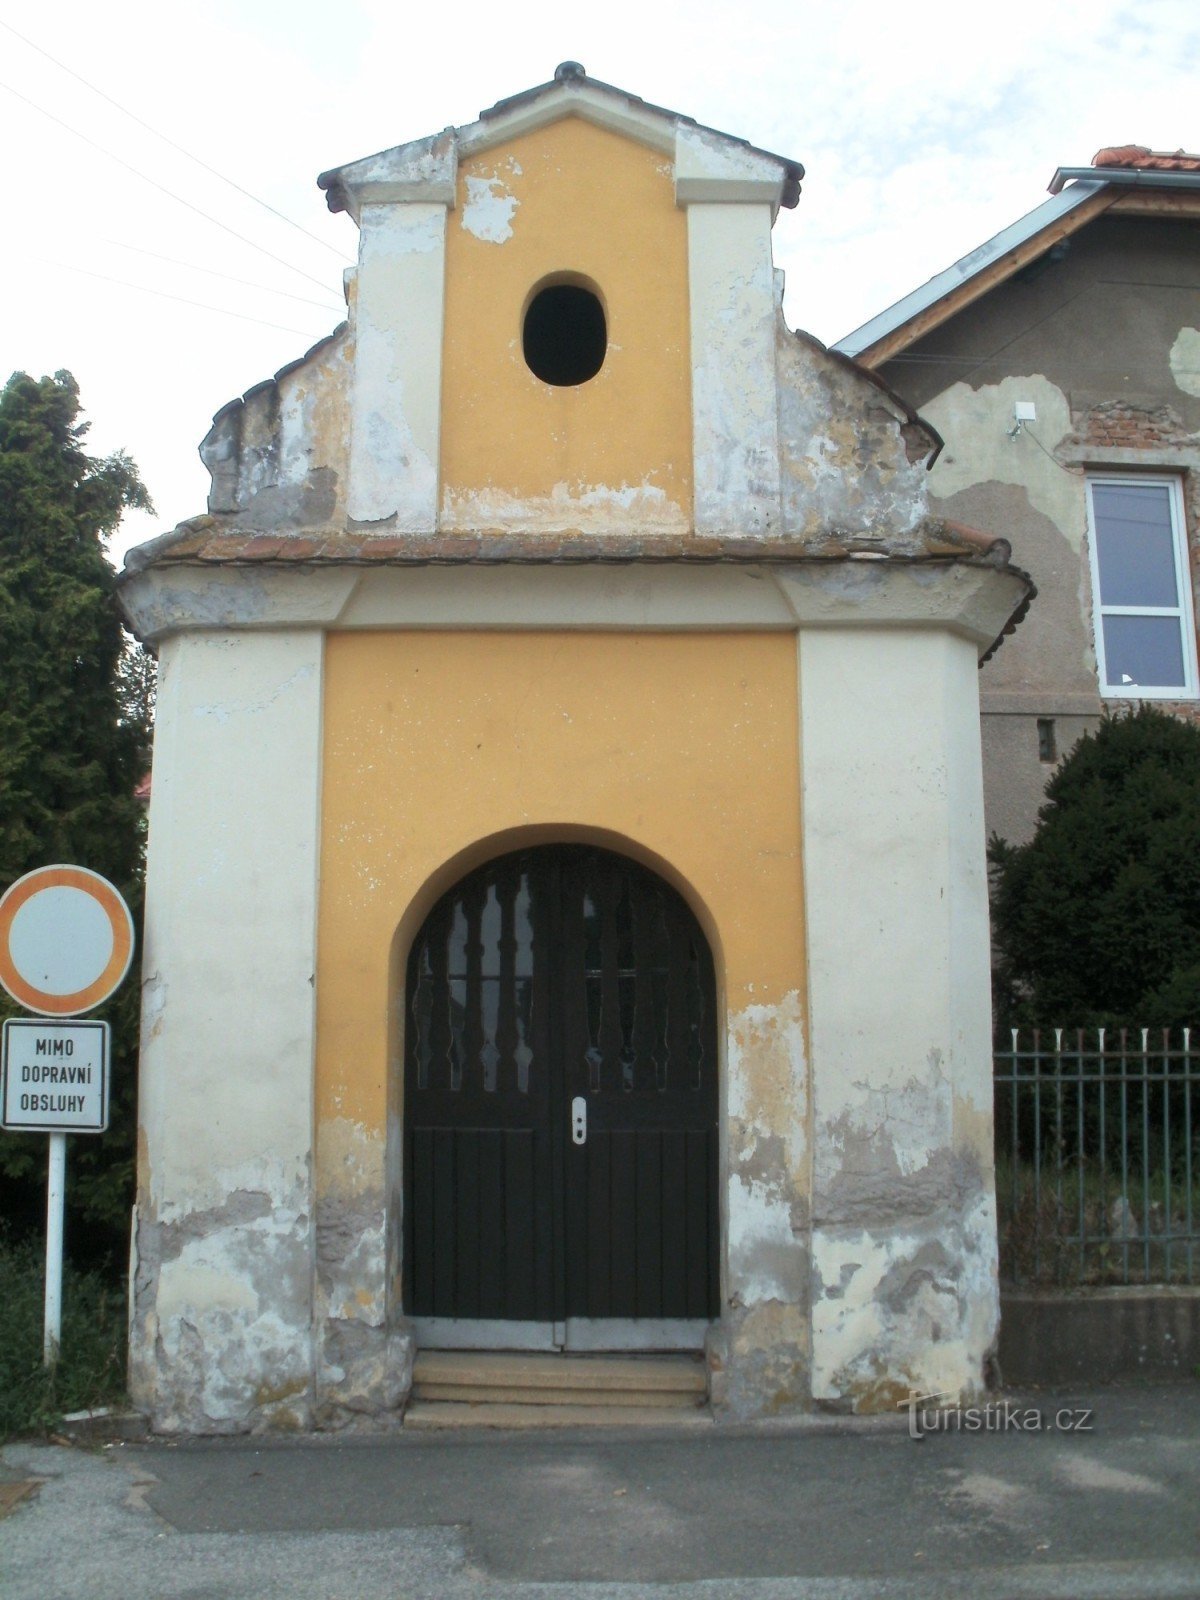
[[565, 337]]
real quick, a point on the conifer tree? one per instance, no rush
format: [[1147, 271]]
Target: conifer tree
[[74, 733], [1097, 918]]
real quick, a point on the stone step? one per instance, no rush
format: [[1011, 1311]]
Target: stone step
[[433, 1414], [518, 1371], [498, 1394]]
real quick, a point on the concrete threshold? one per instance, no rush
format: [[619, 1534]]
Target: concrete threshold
[[428, 1416]]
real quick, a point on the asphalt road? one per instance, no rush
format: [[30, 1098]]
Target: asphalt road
[[1112, 1510]]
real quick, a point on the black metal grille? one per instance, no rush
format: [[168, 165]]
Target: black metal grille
[[553, 973]]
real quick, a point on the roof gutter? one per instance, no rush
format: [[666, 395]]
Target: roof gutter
[[1134, 177], [964, 270]]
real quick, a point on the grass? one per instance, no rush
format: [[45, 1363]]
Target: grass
[[1078, 1236], [91, 1365]]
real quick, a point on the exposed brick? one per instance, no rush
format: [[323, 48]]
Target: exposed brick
[[1124, 426]]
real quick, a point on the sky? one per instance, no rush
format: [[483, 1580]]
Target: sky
[[167, 291]]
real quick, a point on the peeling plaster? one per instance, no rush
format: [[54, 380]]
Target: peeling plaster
[[768, 1083], [364, 1359], [708, 166], [734, 408], [396, 393], [764, 1369], [1185, 360], [351, 1252], [367, 1372], [222, 1299], [845, 453], [154, 1000], [874, 1137], [896, 1309], [903, 1216], [279, 456], [351, 1220], [489, 209], [984, 416], [570, 508], [759, 1361]]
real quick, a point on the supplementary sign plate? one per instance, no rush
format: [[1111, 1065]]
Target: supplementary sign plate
[[55, 1076], [66, 940]]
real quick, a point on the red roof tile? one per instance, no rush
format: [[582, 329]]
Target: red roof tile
[[1139, 155], [203, 542]]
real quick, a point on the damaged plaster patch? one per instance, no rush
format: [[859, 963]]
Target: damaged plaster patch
[[351, 1247], [420, 230], [278, 455], [366, 1371], [222, 1296], [894, 1150], [902, 1310], [351, 1226], [768, 1149], [766, 1261], [489, 209], [154, 1004], [768, 1077], [1185, 360], [860, 1176], [364, 1365], [569, 508], [984, 416], [395, 396], [851, 464], [758, 1361]]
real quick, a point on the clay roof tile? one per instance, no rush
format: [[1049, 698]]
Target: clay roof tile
[[1140, 156]]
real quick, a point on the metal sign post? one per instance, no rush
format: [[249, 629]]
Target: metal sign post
[[66, 941], [56, 1194]]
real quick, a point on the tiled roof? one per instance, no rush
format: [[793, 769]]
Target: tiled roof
[[569, 82], [206, 541], [1139, 156]]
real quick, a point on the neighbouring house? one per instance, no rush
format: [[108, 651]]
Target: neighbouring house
[[566, 917], [1061, 362]]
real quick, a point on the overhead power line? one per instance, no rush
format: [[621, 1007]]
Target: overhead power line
[[163, 294], [162, 188], [166, 139], [211, 272]]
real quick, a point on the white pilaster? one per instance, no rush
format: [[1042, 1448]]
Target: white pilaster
[[222, 1318], [396, 406], [904, 1263], [735, 427]]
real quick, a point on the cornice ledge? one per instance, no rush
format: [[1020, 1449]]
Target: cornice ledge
[[977, 601], [426, 170], [712, 170]]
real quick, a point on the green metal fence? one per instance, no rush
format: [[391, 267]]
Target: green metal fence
[[1098, 1157]]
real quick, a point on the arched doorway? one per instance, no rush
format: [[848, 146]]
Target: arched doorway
[[561, 1109]]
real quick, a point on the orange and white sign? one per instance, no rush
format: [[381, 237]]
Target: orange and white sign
[[66, 940]]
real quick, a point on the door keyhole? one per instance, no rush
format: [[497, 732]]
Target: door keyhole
[[579, 1120]]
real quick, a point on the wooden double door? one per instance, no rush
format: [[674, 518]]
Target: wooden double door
[[560, 1105]]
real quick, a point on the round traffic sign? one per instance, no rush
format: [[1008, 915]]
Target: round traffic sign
[[66, 940]]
